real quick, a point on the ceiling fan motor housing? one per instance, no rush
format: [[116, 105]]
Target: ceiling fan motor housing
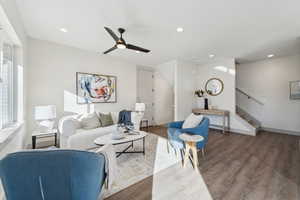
[[121, 30]]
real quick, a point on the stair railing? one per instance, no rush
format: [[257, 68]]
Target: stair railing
[[249, 96]]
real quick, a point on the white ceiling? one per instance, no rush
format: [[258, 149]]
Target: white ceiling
[[246, 30]]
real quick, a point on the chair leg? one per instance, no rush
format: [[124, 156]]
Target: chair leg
[[203, 152], [187, 154], [195, 156], [182, 156], [175, 150], [168, 148]]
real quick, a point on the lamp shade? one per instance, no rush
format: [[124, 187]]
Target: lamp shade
[[45, 112], [140, 107]]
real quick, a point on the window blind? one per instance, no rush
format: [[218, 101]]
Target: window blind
[[6, 85]]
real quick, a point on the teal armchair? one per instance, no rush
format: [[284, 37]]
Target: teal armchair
[[175, 129], [53, 175]]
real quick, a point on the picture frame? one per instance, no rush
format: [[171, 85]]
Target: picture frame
[[295, 90], [95, 88]]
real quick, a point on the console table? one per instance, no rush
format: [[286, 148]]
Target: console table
[[217, 112]]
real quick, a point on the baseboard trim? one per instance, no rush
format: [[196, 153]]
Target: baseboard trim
[[232, 130], [161, 125], [282, 131], [239, 131]]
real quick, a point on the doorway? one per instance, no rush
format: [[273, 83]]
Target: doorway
[[145, 91]]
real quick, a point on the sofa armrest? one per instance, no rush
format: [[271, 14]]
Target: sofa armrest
[[177, 124], [66, 126]]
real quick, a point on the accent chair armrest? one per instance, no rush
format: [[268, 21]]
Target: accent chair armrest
[[201, 129], [177, 124]]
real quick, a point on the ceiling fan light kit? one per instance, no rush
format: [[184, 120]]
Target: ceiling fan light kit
[[121, 46], [120, 42]]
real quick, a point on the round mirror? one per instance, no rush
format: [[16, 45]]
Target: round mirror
[[214, 86]]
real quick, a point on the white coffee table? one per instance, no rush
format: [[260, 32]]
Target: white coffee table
[[107, 139]]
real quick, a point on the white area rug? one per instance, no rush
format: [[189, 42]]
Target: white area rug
[[133, 168]]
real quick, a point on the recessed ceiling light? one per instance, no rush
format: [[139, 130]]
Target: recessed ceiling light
[[270, 55], [179, 29], [63, 30], [137, 51], [211, 55]]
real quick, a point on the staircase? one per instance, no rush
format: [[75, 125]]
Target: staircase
[[247, 117], [251, 120]]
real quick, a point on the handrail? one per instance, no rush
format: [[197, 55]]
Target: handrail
[[249, 97]]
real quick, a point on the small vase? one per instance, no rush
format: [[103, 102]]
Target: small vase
[[206, 103]]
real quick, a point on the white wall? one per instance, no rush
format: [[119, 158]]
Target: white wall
[[164, 92], [185, 86], [223, 69], [52, 78], [268, 80]]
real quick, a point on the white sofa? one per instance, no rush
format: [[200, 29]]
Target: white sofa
[[72, 137]]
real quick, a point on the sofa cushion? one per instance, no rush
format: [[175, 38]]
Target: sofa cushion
[[89, 121], [105, 119], [136, 118], [84, 139], [76, 120], [114, 116], [192, 121]]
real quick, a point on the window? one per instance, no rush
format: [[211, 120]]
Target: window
[[6, 84]]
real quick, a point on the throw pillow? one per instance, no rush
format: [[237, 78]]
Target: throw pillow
[[77, 123], [105, 119], [192, 121], [76, 120], [89, 121]]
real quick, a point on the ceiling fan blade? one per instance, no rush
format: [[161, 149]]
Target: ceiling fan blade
[[136, 48], [109, 50], [112, 34]]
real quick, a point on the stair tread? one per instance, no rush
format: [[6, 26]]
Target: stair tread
[[249, 121]]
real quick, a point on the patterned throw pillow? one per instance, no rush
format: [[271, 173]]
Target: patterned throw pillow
[[105, 119]]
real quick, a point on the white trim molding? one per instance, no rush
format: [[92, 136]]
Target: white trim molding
[[275, 130]]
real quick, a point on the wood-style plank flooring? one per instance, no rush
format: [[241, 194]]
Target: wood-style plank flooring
[[235, 167]]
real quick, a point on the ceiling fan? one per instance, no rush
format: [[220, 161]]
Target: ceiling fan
[[120, 42]]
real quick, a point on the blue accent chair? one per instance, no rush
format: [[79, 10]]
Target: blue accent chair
[[175, 129], [52, 175]]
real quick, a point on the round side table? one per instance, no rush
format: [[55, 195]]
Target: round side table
[[191, 144]]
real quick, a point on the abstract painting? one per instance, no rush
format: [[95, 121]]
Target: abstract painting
[[295, 90], [96, 88]]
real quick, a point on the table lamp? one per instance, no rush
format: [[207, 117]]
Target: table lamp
[[140, 107], [45, 115]]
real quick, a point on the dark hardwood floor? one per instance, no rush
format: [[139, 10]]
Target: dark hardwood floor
[[239, 167]]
